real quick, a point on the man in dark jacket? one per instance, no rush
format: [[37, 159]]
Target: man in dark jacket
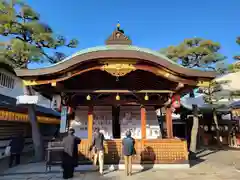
[[70, 154], [98, 147], [128, 150], [17, 145]]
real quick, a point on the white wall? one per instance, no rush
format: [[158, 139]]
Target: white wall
[[18, 90]]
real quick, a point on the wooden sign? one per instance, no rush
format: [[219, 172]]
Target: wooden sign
[[21, 117], [25, 99]]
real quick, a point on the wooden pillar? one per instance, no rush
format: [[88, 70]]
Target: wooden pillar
[[90, 123], [169, 123], [143, 122]]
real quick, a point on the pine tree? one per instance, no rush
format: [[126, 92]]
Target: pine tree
[[212, 96], [235, 67], [25, 39], [201, 54], [197, 53]]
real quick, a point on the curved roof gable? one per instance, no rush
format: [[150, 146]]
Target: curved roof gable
[[115, 51], [115, 47]]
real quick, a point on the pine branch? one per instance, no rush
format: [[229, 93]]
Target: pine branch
[[29, 37]]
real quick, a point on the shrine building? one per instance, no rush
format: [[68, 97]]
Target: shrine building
[[118, 87]]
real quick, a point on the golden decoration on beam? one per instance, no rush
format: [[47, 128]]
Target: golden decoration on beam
[[203, 83], [118, 70], [54, 84], [29, 83]]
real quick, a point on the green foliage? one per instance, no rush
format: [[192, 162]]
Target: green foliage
[[28, 38], [235, 94], [196, 53], [211, 93], [235, 67], [238, 40]]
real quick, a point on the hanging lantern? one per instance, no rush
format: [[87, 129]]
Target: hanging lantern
[[117, 97], [212, 128], [176, 101], [206, 128], [54, 84], [225, 128], [88, 97], [146, 98]]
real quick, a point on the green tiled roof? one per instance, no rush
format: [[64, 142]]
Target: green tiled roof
[[116, 47]]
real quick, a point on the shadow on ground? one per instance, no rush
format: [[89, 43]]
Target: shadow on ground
[[199, 157], [25, 159]]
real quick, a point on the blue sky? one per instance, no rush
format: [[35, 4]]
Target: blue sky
[[152, 24]]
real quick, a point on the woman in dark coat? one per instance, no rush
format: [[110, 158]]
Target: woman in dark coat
[[70, 154], [17, 145]]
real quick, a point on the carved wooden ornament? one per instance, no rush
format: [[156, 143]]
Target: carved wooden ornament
[[118, 70]]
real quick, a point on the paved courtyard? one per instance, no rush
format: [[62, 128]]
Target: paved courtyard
[[221, 165]]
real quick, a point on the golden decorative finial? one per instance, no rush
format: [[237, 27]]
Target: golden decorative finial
[[118, 25]]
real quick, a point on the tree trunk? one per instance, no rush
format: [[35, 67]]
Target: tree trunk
[[215, 119], [36, 135], [194, 131]]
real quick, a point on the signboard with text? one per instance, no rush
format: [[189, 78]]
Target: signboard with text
[[25, 99]]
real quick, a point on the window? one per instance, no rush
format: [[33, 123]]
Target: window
[[6, 81]]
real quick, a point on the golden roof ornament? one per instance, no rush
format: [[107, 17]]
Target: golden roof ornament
[[118, 37], [118, 25], [118, 28]]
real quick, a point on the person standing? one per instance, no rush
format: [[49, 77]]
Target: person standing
[[70, 154], [16, 148], [98, 148], [128, 151]]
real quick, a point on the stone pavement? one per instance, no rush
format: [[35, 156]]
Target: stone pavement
[[221, 165]]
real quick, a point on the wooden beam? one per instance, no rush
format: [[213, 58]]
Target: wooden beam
[[143, 122], [179, 86], [169, 123], [90, 123], [168, 75], [34, 82], [115, 102], [116, 91]]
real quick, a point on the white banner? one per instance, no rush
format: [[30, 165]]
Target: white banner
[[63, 124], [102, 119], [130, 118]]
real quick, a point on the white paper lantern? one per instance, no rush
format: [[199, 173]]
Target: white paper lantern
[[212, 128], [225, 128]]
